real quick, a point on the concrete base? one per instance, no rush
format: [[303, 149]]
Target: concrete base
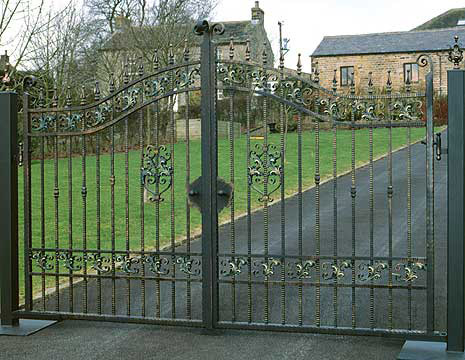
[[424, 350], [25, 327]]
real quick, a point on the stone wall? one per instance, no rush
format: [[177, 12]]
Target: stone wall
[[195, 129], [379, 64]]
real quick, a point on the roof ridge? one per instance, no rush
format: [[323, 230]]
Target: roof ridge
[[397, 32]]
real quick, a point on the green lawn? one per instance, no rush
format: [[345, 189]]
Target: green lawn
[[381, 143]]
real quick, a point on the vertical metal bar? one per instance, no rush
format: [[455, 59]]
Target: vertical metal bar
[[142, 209], [126, 173], [27, 204], [98, 217], [56, 195], [84, 219], [42, 214], [249, 215], [409, 219], [265, 205], [353, 193], [188, 209], [172, 199], [112, 216], [157, 218], [430, 315], [209, 182], [9, 282], [283, 194], [456, 210], [335, 225], [317, 223], [232, 226], [390, 193], [372, 200], [300, 211]]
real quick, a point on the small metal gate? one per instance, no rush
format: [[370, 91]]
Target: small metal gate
[[299, 248]]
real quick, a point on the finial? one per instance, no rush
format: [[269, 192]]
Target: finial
[[247, 50], [299, 64], [408, 83], [171, 55], [186, 51], [111, 86], [55, 97], [281, 61], [140, 69], [264, 54], [41, 100], [335, 81], [68, 96], [352, 83], [370, 83], [97, 91], [126, 72], [389, 82], [83, 95], [316, 73], [456, 54], [231, 48], [155, 60]]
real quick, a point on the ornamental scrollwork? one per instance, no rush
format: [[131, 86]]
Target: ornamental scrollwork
[[126, 264], [264, 173], [42, 122], [184, 78], [157, 86], [232, 74], [408, 272], [302, 269], [157, 265], [70, 261], [371, 272], [233, 266], [333, 271], [266, 268], [187, 264], [156, 174], [407, 108], [42, 260], [98, 262]]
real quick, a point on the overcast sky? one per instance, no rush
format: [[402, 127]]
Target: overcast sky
[[305, 22]]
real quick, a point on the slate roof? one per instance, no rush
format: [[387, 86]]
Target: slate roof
[[395, 42]]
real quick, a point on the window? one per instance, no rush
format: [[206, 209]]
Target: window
[[347, 73], [411, 69]]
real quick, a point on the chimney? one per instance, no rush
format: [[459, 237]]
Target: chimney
[[122, 23], [258, 15]]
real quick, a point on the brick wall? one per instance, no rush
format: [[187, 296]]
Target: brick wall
[[379, 64]]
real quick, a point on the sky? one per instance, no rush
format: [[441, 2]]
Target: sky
[[306, 22]]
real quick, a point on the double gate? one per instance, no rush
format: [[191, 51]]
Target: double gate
[[302, 230]]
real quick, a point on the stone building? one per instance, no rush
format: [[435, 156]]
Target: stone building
[[341, 56], [148, 38]]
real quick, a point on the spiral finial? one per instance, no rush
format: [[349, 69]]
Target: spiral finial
[[335, 81], [155, 60], [97, 91], [299, 64], [186, 51], [171, 55], [455, 53], [247, 51], [231, 49]]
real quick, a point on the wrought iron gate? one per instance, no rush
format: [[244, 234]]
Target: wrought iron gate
[[300, 248]]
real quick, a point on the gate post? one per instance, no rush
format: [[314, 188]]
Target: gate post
[[10, 324], [209, 175], [456, 210], [9, 285]]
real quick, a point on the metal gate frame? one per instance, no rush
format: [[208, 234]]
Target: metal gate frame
[[11, 313]]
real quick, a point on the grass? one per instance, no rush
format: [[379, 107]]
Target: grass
[[131, 235]]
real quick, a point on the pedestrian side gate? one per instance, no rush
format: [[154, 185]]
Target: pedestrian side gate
[[270, 229]]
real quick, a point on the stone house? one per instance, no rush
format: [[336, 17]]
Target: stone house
[[377, 53]]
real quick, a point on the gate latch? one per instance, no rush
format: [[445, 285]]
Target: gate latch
[[437, 146], [223, 196]]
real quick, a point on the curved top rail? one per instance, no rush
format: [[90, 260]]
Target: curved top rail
[[117, 92], [274, 76]]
